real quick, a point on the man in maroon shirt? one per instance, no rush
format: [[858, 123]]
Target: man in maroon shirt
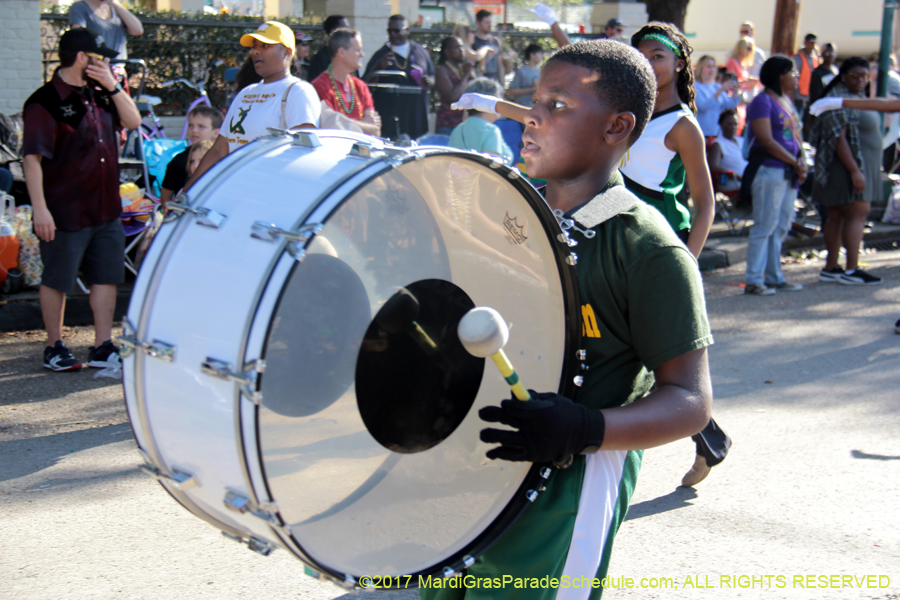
[[71, 169]]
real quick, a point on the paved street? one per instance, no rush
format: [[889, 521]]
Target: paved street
[[807, 384]]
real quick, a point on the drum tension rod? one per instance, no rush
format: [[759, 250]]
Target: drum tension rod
[[154, 349], [178, 479], [531, 495], [246, 378], [255, 544], [467, 561], [305, 139], [205, 217], [269, 232], [267, 511]]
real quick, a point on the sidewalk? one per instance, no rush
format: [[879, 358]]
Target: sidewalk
[[723, 249]]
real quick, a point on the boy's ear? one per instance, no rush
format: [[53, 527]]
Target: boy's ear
[[620, 128], [215, 132]]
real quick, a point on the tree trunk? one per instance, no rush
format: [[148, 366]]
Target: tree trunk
[[668, 11], [784, 30]]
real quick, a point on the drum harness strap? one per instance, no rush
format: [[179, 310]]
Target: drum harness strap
[[284, 105], [601, 208]]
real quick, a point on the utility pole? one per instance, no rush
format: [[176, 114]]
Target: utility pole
[[887, 35], [784, 28]]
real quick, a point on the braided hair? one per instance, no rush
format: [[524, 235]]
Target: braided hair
[[685, 78]]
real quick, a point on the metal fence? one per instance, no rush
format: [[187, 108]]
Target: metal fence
[[202, 49]]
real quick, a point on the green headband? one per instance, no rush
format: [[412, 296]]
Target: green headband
[[665, 40]]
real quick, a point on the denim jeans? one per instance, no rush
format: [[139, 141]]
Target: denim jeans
[[773, 210]]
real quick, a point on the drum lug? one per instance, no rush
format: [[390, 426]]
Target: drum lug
[[205, 217], [581, 354], [269, 232], [178, 479], [578, 380], [304, 139], [566, 239], [246, 378], [260, 547], [365, 150], [128, 331], [545, 472], [531, 495], [572, 259], [267, 511], [255, 544], [154, 349]]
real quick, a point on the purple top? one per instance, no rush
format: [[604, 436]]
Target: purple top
[[784, 125]]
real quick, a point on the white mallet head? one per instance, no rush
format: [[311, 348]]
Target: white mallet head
[[483, 332]]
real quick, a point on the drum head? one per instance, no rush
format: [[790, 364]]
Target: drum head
[[368, 428]]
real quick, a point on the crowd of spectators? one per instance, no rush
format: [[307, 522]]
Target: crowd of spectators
[[753, 112]]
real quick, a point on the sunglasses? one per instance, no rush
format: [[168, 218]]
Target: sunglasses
[[95, 56], [395, 30]]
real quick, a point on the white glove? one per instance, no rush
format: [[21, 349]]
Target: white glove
[[544, 13], [825, 104], [480, 102]]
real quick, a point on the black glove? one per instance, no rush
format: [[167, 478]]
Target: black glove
[[551, 428]]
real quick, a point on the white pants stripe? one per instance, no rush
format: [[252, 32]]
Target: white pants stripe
[[596, 507]]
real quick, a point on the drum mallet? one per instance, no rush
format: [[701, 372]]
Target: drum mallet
[[484, 333]]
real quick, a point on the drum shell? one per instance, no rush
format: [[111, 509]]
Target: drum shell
[[168, 430]]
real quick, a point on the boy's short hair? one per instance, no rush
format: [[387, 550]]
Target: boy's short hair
[[214, 114], [531, 49], [340, 38], [483, 14], [626, 82]]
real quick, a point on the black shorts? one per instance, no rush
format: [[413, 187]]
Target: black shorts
[[99, 252]]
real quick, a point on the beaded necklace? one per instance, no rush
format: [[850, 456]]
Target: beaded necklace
[[455, 72], [337, 92]]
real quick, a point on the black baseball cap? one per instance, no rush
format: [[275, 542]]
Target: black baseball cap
[[614, 23], [85, 39]]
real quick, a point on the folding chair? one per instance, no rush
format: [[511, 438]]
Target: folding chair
[[158, 153], [436, 139]]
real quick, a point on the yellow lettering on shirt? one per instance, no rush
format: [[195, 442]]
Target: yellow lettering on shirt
[[589, 322]]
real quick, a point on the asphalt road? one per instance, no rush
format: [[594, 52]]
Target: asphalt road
[[807, 384]]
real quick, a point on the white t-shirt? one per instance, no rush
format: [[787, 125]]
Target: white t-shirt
[[258, 106]]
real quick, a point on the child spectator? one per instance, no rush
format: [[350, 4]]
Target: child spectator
[[197, 152], [524, 83], [203, 124], [648, 382], [478, 132]]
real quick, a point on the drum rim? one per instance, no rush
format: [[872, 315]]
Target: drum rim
[[537, 474]]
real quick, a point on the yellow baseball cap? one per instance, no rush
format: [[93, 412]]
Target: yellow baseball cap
[[271, 32]]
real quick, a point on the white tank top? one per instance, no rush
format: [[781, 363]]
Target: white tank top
[[732, 157], [647, 161]]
